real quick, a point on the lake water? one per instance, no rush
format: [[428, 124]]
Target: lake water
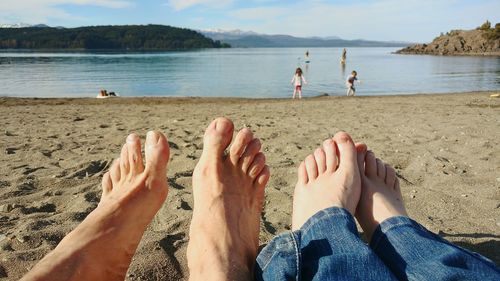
[[252, 72]]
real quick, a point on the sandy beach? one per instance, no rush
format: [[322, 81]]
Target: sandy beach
[[445, 149]]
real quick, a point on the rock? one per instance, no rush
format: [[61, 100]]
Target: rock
[[2, 237], [458, 42], [10, 150], [464, 195], [412, 196]]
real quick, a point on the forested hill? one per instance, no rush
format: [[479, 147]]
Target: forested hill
[[125, 37]]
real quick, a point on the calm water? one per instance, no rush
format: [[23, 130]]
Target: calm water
[[240, 73]]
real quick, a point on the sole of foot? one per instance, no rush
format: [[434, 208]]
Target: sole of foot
[[381, 196], [102, 246], [329, 177], [228, 190]]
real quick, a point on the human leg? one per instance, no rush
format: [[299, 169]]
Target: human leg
[[348, 90], [102, 246], [406, 247], [228, 195], [325, 244]]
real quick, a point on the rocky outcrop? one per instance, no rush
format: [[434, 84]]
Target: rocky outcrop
[[459, 42]]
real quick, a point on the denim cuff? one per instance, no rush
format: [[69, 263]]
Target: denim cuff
[[333, 214], [390, 223]]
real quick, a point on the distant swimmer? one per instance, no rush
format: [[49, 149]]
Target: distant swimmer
[[297, 81], [307, 60], [351, 91], [344, 56]]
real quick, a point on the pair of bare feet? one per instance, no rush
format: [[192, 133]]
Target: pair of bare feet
[[228, 190]]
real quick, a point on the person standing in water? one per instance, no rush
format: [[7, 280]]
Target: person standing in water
[[297, 81], [344, 57], [351, 91], [307, 60]]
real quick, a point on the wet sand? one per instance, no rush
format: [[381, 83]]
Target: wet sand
[[445, 149]]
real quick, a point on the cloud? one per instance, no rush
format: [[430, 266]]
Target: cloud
[[40, 11], [184, 4]]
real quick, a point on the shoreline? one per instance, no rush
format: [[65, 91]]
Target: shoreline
[[444, 148], [121, 99]]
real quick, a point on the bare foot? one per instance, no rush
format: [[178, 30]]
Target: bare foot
[[380, 193], [102, 246], [328, 178], [228, 194]]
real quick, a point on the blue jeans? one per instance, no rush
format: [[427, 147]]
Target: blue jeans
[[328, 247]]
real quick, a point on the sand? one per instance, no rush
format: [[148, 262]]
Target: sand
[[445, 149]]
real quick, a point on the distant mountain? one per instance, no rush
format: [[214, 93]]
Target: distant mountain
[[119, 37], [22, 25], [238, 38], [484, 40]]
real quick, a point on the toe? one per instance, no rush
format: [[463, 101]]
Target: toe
[[134, 154], [263, 178], [243, 138], [249, 154], [257, 165], [124, 164], [331, 155], [302, 173], [347, 151], [114, 171], [107, 185], [380, 169], [370, 165], [390, 175], [311, 167], [217, 137], [320, 157], [157, 152], [361, 152]]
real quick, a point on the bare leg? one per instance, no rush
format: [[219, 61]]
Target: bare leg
[[228, 194], [300, 94], [102, 246], [294, 93]]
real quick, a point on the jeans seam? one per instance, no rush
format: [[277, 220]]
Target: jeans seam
[[297, 257], [269, 261]]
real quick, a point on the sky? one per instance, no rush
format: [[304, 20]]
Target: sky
[[388, 20]]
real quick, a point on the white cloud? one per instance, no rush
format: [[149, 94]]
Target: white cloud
[[184, 4], [40, 11]]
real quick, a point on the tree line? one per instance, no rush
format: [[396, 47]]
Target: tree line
[[126, 37]]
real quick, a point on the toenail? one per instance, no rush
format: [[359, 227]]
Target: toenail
[[132, 138], [343, 137], [152, 137]]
